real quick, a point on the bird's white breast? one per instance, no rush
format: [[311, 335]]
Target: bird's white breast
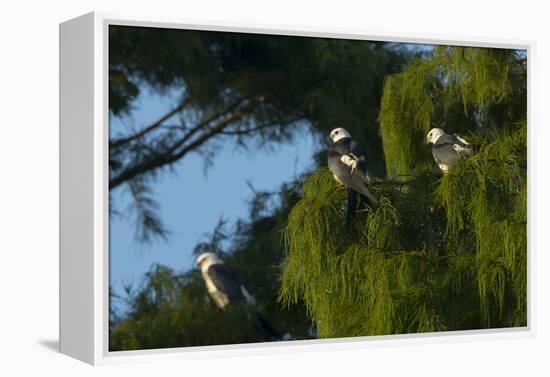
[[209, 284], [218, 296]]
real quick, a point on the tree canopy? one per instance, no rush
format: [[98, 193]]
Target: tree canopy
[[439, 252]]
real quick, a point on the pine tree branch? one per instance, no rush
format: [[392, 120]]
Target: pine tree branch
[[232, 116], [151, 127], [259, 128], [183, 146]]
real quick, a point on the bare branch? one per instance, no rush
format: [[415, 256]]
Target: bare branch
[[258, 128], [168, 150], [172, 154], [151, 127], [203, 123]]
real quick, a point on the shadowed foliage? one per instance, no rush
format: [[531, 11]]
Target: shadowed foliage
[[172, 310]]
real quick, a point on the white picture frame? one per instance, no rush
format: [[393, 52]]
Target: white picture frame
[[84, 193]]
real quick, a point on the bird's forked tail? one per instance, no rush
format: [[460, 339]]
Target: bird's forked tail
[[266, 328]]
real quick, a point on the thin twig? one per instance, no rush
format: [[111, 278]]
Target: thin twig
[[168, 115]]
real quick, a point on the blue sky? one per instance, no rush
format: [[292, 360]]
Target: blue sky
[[191, 203]]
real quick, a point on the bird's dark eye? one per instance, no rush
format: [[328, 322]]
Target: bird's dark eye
[[336, 133]]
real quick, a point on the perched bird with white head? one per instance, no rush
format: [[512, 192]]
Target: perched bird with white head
[[226, 288], [447, 149], [222, 283], [348, 164]]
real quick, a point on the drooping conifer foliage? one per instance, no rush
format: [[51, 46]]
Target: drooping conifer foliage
[[440, 252]]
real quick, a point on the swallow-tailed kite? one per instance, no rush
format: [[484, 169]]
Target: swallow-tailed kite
[[225, 288], [447, 149], [347, 163]]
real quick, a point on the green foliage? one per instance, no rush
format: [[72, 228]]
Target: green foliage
[[365, 280], [460, 89], [486, 198], [439, 252]]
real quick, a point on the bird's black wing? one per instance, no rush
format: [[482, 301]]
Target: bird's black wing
[[462, 147], [360, 183], [356, 180], [461, 141], [349, 148], [226, 280], [342, 146], [448, 149], [336, 166], [358, 152]]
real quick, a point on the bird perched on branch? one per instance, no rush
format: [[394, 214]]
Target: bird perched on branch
[[226, 288], [347, 163], [447, 149]]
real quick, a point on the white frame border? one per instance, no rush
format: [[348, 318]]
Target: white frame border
[[101, 195]]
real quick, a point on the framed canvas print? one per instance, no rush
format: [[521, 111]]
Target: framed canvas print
[[230, 189]]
